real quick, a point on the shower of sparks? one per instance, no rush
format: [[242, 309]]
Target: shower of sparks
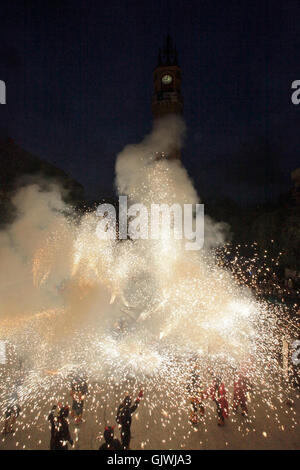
[[145, 314]]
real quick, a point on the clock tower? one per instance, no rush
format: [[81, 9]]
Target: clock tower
[[167, 98]]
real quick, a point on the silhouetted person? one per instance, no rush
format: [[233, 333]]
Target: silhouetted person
[[240, 388], [124, 413], [79, 390], [110, 442], [196, 397], [11, 415], [60, 434], [218, 394]]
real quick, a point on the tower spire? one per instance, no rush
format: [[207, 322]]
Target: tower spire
[[168, 55], [167, 98], [168, 49]]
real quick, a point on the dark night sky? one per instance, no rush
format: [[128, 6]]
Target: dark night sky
[[79, 85]]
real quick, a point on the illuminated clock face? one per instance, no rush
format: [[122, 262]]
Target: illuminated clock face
[[167, 79]]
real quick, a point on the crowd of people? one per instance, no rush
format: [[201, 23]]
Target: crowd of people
[[60, 434], [58, 416], [199, 397], [218, 394]]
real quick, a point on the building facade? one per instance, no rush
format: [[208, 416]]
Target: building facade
[[295, 175]]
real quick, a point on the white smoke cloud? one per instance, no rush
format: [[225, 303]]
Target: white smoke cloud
[[39, 216], [54, 264], [138, 171], [44, 253], [146, 179]]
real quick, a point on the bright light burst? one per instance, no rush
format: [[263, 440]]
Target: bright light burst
[[131, 314]]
